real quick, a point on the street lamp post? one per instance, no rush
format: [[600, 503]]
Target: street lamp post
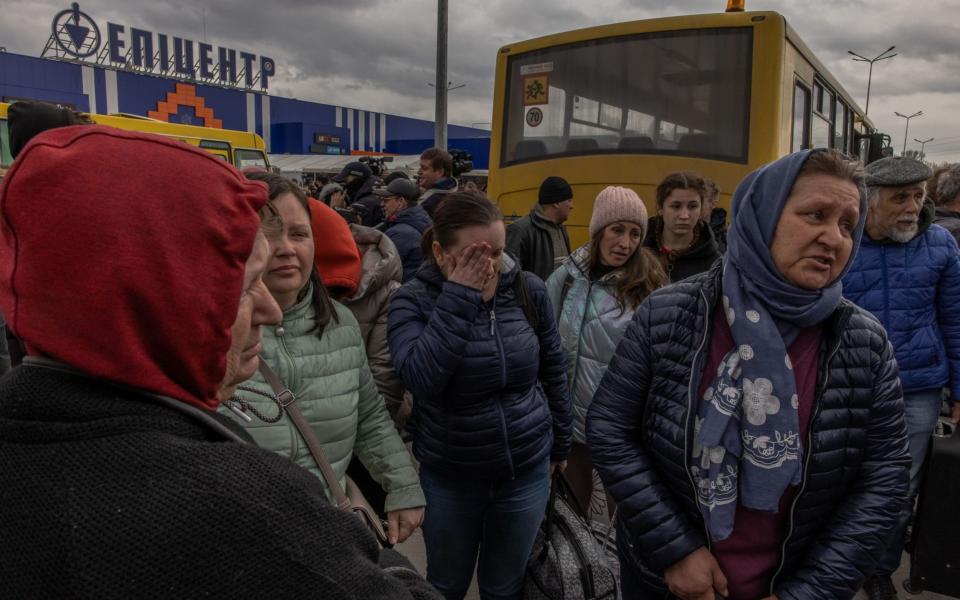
[[440, 118], [882, 56], [923, 144], [907, 130]]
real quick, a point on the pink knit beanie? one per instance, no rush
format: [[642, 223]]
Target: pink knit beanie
[[617, 203]]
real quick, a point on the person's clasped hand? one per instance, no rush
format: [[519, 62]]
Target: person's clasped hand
[[697, 577]]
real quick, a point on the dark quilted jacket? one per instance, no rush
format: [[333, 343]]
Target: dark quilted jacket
[[405, 230], [106, 494], [490, 395], [914, 290], [949, 220], [640, 428]]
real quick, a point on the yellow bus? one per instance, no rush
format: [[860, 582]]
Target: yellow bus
[[625, 104], [239, 148]]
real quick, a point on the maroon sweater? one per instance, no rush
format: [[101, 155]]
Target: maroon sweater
[[749, 557]]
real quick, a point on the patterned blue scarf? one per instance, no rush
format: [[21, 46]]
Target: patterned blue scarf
[[747, 444]]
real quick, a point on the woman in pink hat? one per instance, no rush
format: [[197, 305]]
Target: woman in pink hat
[[594, 293]]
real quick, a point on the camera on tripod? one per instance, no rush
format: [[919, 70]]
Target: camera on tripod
[[377, 164]]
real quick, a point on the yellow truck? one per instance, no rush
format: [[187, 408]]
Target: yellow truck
[[239, 148]]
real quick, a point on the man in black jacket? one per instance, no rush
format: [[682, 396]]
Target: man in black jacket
[[118, 478], [435, 177], [539, 240], [358, 182]]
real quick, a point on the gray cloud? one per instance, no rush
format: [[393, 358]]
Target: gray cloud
[[379, 54]]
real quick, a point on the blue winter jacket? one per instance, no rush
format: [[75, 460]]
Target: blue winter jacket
[[405, 230], [856, 465], [914, 290], [490, 393]]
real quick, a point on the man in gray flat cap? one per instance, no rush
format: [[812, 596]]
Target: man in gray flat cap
[[907, 273]]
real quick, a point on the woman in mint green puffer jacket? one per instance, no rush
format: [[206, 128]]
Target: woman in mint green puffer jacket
[[594, 294], [319, 354]]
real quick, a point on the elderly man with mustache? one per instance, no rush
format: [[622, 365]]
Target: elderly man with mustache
[[907, 274]]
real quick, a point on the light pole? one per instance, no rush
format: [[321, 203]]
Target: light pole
[[922, 143], [907, 130], [440, 119], [450, 86], [882, 56]]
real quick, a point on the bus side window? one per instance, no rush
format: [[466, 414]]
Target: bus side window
[[5, 157], [801, 117]]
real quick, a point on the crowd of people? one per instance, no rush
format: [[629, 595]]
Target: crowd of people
[[757, 398]]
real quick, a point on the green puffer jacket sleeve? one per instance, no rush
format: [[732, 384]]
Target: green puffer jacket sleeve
[[381, 450], [335, 390]]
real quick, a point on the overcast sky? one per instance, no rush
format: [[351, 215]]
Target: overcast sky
[[380, 54]]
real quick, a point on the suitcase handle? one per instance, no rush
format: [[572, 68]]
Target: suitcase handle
[[944, 428]]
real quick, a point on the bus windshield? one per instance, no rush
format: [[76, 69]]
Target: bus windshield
[[250, 158], [681, 93]]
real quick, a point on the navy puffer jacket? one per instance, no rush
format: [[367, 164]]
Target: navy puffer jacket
[[640, 431], [405, 230], [490, 394]]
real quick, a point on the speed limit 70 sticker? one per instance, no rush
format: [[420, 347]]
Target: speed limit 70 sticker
[[534, 117]]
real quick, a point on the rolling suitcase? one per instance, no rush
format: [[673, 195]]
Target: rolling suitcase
[[935, 553]]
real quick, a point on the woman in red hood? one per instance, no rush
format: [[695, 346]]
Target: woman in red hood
[[139, 299]]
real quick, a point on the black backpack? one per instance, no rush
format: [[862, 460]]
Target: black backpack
[[522, 293]]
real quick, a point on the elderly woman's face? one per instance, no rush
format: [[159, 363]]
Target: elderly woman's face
[[257, 307], [814, 237]]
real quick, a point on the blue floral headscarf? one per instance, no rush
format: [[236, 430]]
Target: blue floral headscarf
[[747, 444]]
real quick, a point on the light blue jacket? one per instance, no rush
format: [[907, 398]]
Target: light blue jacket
[[591, 325]]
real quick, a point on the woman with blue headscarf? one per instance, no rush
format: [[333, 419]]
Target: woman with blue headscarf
[[750, 425]]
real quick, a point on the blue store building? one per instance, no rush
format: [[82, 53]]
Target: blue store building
[[149, 74]]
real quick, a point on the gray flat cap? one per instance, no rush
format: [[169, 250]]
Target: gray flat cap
[[895, 171], [399, 187]]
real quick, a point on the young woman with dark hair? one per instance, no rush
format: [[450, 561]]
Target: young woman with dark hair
[[318, 352], [595, 292], [474, 339], [684, 244]]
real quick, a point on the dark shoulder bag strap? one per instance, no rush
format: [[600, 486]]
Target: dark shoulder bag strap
[[293, 411], [522, 294]]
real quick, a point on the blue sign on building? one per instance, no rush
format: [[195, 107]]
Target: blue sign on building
[[76, 36]]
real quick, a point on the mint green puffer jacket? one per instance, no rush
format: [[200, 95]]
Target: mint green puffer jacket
[[591, 325], [338, 398]]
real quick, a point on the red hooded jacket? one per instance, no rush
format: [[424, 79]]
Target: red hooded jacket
[[122, 255]]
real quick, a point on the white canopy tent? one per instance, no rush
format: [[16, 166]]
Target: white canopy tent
[[296, 165]]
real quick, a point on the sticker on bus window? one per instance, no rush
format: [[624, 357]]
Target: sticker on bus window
[[546, 67], [536, 90], [534, 117]]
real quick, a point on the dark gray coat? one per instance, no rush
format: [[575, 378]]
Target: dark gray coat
[[531, 241]]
